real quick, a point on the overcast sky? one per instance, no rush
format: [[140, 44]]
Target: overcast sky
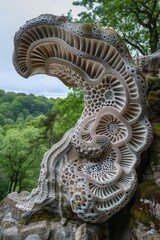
[[13, 14]]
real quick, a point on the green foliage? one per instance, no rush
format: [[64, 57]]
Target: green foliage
[[17, 107], [4, 183], [21, 151], [63, 116], [138, 22], [47, 123], [68, 111], [25, 140]]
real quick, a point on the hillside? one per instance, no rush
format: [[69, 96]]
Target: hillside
[[15, 107]]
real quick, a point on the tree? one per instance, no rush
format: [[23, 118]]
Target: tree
[[68, 111], [23, 145], [16, 107], [2, 118], [20, 156], [63, 116], [47, 123], [138, 22], [4, 183]]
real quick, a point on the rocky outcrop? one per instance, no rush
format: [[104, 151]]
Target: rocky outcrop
[[154, 97], [44, 225], [145, 212], [145, 220]]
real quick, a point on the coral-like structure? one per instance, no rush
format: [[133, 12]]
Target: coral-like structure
[[93, 166]]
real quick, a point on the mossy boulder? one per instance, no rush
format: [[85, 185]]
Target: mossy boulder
[[144, 210], [153, 168], [154, 96], [153, 82]]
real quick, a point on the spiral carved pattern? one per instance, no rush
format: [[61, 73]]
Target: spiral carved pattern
[[94, 164]]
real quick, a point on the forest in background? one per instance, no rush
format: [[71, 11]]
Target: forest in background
[[20, 107], [29, 126]]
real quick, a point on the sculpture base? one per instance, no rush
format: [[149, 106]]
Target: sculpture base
[[44, 224]]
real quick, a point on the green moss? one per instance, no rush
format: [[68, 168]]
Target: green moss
[[156, 129], [57, 197], [133, 223], [153, 161], [67, 209], [45, 215], [40, 216], [154, 96], [151, 97], [152, 79], [41, 213], [148, 189], [88, 26], [141, 213], [143, 210], [154, 102], [36, 206], [23, 221]]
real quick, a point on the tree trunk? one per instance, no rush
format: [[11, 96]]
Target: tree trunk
[[153, 37], [15, 183]]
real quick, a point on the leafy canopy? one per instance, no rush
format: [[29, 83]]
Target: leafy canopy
[[64, 114], [138, 22], [19, 107], [21, 151]]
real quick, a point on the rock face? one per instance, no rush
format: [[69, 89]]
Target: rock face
[[151, 64], [43, 226], [145, 211], [154, 97]]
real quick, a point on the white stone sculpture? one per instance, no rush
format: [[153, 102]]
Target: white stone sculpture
[[93, 166]]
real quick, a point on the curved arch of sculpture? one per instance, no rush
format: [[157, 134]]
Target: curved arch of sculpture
[[93, 166]]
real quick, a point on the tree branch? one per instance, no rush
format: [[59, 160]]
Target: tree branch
[[154, 6], [139, 20], [135, 46]]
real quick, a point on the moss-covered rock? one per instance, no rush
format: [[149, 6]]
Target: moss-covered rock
[[153, 168], [153, 82], [46, 224], [154, 96], [153, 99], [144, 209]]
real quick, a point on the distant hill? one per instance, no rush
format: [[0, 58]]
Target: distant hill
[[16, 107]]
